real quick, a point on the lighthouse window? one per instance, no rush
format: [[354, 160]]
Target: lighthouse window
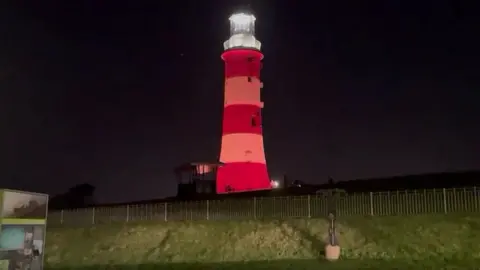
[[254, 121], [249, 79]]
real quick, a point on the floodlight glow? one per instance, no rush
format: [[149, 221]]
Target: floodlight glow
[[275, 184]]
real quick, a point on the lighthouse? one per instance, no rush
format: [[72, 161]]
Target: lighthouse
[[242, 151]]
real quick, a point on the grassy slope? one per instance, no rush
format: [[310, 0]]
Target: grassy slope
[[423, 242]]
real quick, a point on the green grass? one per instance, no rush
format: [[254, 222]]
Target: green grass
[[416, 242]]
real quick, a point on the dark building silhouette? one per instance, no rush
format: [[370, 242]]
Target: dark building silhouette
[[76, 197], [196, 179]]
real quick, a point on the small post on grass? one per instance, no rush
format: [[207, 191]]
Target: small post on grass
[[332, 216], [332, 249]]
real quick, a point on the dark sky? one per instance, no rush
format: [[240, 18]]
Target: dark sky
[[118, 95]]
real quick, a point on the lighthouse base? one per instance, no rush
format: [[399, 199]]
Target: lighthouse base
[[242, 177]]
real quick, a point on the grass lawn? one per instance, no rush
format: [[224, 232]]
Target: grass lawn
[[415, 242]]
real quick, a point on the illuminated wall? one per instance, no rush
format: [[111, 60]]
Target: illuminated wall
[[242, 150]]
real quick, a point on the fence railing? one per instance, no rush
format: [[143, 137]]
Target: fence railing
[[372, 203]]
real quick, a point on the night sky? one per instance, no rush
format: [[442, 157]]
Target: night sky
[[118, 95]]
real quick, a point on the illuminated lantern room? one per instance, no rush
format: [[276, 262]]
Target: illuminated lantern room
[[242, 32]]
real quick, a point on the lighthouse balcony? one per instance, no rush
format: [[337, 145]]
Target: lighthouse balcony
[[242, 41]]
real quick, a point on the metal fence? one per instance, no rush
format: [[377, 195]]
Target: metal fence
[[372, 203]]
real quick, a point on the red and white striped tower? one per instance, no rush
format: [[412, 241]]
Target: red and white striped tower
[[242, 151]]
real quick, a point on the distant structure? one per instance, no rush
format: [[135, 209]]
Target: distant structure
[[196, 179], [242, 150]]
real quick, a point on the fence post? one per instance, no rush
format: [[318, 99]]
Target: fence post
[[128, 213], [61, 216], [475, 198], [166, 212], [273, 206], [455, 205], [208, 209], [309, 207], [93, 215], [445, 200], [415, 205], [371, 203], [399, 209], [254, 207]]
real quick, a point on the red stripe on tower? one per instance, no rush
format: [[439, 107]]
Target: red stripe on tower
[[242, 151]]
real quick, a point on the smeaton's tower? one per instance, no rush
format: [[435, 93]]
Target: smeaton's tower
[[242, 151]]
